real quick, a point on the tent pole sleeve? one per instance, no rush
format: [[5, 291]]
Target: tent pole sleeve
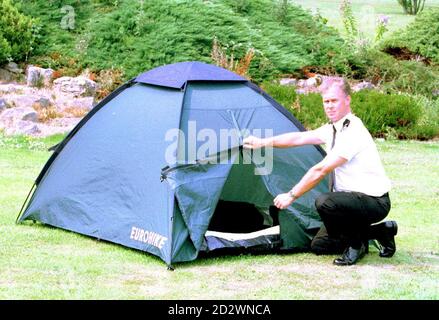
[[171, 202]]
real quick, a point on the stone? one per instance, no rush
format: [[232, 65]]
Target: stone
[[301, 83], [38, 77], [43, 102], [3, 105], [363, 86], [78, 86], [72, 104], [288, 82], [13, 115], [86, 103], [13, 67], [6, 76], [23, 101], [23, 127], [58, 126], [301, 91], [12, 88], [311, 82], [64, 122]]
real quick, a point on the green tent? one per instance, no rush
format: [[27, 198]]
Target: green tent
[[154, 167]]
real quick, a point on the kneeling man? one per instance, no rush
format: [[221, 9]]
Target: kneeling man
[[359, 187]]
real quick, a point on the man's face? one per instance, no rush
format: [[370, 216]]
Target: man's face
[[336, 103]]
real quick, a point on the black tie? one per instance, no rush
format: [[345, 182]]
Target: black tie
[[332, 175]]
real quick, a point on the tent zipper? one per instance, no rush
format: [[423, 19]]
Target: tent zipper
[[166, 170]]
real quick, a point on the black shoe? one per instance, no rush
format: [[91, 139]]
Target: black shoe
[[386, 239], [351, 256]]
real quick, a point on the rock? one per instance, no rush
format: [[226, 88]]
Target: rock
[[50, 131], [288, 82], [13, 67], [307, 86], [78, 87], [311, 82], [435, 93], [13, 115], [38, 77], [58, 126], [6, 76], [23, 127], [25, 101], [12, 88], [362, 86], [3, 105], [43, 102], [81, 104], [86, 103], [301, 83], [64, 122], [29, 128], [301, 91]]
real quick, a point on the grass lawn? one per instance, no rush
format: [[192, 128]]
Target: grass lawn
[[365, 11], [41, 262]]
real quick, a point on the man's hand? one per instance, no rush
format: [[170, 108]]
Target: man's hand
[[252, 142], [283, 200]]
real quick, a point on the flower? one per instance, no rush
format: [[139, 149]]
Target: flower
[[383, 19]]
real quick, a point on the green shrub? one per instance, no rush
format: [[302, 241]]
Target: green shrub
[[241, 6], [17, 33], [5, 49], [311, 110], [285, 95], [384, 115], [396, 76], [427, 126], [136, 37], [380, 111], [306, 108], [420, 37]]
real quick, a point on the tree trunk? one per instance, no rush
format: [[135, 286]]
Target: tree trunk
[[412, 6]]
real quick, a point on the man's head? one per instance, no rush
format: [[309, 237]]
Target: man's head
[[336, 98]]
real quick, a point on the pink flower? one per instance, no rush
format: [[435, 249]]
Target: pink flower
[[383, 19]]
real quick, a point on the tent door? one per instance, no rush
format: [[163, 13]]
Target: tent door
[[242, 225], [244, 216]]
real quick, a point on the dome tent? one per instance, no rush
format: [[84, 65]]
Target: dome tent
[[115, 176]]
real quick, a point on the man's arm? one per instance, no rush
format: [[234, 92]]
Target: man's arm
[[291, 139], [309, 180]]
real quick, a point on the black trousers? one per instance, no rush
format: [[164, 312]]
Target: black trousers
[[347, 219]]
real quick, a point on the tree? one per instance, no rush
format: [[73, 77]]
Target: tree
[[17, 33], [412, 6]]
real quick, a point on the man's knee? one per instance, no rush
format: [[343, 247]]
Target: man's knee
[[319, 246], [322, 243], [324, 202]]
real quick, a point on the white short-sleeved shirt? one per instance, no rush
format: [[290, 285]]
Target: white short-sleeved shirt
[[363, 171]]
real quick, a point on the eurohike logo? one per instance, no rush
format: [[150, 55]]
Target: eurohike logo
[[148, 237]]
